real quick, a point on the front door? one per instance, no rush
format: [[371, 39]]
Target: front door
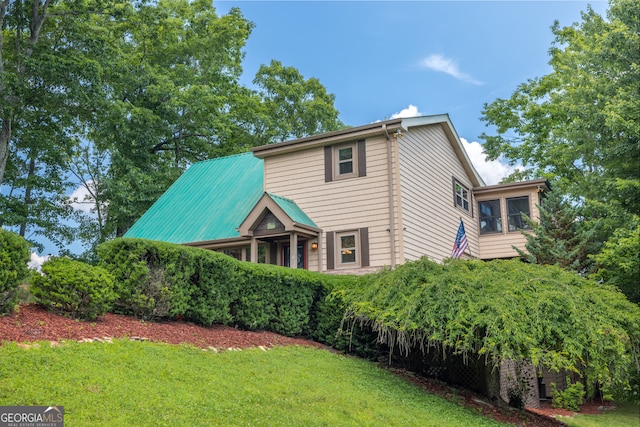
[[302, 254]]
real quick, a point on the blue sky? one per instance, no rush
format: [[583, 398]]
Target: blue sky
[[381, 58]]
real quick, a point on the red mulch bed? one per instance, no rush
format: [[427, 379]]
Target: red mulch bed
[[33, 323]]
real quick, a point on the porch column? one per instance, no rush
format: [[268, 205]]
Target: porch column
[[320, 267], [254, 250], [293, 253]]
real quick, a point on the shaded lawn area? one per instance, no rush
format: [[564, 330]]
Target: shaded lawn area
[[150, 384]]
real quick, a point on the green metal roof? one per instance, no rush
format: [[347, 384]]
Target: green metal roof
[[293, 210], [208, 202]]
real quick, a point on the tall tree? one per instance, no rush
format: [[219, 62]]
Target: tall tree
[[48, 79], [292, 106], [579, 124], [174, 68]]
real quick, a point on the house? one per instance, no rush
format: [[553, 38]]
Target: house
[[353, 200]]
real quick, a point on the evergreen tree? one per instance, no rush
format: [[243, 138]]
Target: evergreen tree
[[560, 237]]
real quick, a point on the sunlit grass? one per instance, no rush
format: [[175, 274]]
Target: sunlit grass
[[147, 384], [626, 415]]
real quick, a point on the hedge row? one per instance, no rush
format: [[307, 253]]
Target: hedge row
[[155, 280]]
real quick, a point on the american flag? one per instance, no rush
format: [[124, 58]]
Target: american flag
[[461, 243]]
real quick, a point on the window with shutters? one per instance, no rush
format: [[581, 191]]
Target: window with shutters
[[348, 249], [345, 161]]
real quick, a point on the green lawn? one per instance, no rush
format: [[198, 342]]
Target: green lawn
[[144, 384], [626, 415]]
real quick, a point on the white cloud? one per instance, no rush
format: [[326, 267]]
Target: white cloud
[[491, 171], [82, 200], [410, 111], [446, 65], [37, 261]]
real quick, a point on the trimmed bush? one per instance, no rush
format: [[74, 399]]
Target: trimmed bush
[[162, 280], [155, 280], [72, 287], [14, 258]]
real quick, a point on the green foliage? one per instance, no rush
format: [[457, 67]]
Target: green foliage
[[292, 106], [569, 398], [162, 280], [560, 236], [619, 262], [73, 287], [14, 257], [503, 310], [327, 325]]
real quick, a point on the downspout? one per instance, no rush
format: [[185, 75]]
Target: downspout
[[392, 214]]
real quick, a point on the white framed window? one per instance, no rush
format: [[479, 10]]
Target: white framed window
[[345, 161], [461, 196], [348, 253]]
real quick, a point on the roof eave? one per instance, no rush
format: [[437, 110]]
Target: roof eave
[[326, 138]]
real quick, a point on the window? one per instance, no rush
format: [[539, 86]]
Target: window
[[348, 252], [515, 208], [461, 194], [345, 161], [490, 217], [348, 249]]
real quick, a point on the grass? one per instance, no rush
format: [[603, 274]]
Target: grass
[[147, 384], [626, 415]]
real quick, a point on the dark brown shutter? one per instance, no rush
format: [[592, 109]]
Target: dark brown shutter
[[364, 247], [362, 158], [330, 250], [328, 164]]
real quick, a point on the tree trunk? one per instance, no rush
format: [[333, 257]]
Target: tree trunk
[[5, 137], [27, 197]]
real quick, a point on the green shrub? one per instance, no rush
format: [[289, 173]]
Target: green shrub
[[73, 287], [162, 280], [504, 310], [328, 325], [14, 258], [274, 298], [570, 398], [155, 279]]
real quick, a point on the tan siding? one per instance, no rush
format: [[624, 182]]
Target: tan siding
[[430, 220], [500, 245], [346, 204]]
